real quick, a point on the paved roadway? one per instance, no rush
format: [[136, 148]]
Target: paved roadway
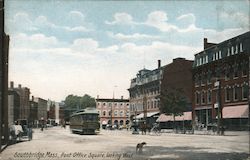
[[59, 144]]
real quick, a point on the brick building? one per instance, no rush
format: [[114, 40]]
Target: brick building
[[146, 88], [41, 108], [13, 106], [221, 83], [144, 92], [178, 75], [24, 94], [113, 112], [33, 112]]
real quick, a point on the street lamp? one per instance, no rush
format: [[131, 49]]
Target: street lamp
[[111, 110]]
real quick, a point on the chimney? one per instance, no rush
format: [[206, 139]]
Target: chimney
[[19, 86], [205, 43], [32, 98], [11, 84], [121, 97], [159, 63]]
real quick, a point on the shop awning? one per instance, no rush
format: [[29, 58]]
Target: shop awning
[[187, 116], [150, 114], [165, 118], [241, 111]]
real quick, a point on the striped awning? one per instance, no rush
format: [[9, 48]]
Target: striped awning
[[241, 111], [165, 118]]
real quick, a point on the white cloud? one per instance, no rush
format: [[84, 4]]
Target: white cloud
[[190, 18], [122, 18], [22, 22], [85, 45], [77, 29], [135, 36], [43, 21], [35, 41], [76, 14], [158, 19]]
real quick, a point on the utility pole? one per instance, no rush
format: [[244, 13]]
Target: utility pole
[[220, 127]]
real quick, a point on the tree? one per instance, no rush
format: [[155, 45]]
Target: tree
[[74, 103], [173, 102]]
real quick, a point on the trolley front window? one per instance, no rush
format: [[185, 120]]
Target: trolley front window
[[90, 117]]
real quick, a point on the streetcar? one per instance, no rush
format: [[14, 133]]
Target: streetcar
[[85, 121]]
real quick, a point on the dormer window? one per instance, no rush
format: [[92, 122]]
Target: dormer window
[[241, 47], [228, 51], [236, 49]]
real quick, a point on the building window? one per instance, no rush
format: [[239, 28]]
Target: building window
[[236, 73], [197, 81], [220, 56], [104, 104], [227, 75], [227, 94], [116, 113], [228, 51], [104, 113], [109, 113], [232, 50], [244, 92], [209, 76], [236, 94], [203, 97], [121, 113], [203, 80], [236, 49], [241, 47], [209, 97], [197, 98]]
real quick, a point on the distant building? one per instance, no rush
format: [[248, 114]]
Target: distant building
[[13, 106], [24, 94], [41, 108], [34, 112], [55, 111], [221, 83], [114, 112]]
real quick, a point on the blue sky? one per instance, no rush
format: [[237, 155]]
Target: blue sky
[[76, 47]]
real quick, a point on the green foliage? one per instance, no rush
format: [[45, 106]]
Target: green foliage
[[74, 102], [173, 102]]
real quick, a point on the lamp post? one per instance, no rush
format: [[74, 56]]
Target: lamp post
[[111, 109]]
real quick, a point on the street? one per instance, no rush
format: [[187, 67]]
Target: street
[[59, 144]]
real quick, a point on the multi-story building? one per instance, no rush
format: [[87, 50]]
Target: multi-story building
[[114, 112], [41, 108], [13, 106], [33, 112], [221, 83], [146, 89], [24, 94], [144, 92]]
